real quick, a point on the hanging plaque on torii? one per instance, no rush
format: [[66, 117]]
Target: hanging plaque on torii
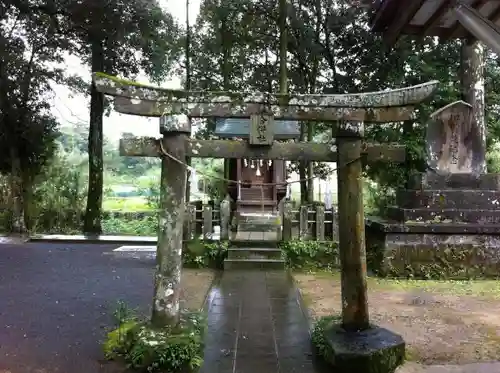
[[261, 129]]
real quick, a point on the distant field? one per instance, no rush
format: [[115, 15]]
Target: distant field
[[125, 204]]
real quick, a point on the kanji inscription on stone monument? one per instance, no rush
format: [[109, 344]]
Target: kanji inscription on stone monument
[[453, 141]]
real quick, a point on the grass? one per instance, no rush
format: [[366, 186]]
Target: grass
[[482, 288], [130, 204]]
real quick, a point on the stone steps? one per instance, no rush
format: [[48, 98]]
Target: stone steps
[[257, 222], [436, 215], [254, 264], [448, 199], [454, 181], [254, 253], [254, 244], [252, 250]]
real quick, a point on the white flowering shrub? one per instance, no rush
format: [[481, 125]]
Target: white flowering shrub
[[147, 349]]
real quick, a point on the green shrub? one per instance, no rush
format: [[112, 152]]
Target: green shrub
[[377, 198], [310, 254], [58, 200], [200, 254], [318, 338], [148, 349], [146, 225], [493, 158]]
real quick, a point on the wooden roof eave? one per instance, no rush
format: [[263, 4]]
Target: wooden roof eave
[[457, 30], [392, 27], [405, 15], [382, 12]]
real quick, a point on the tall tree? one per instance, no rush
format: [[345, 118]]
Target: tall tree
[[27, 129], [119, 38]]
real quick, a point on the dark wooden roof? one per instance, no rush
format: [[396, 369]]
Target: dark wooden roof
[[394, 18]]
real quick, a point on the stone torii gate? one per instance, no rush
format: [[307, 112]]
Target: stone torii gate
[[347, 113]]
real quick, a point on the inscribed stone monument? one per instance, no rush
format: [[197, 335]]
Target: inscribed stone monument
[[453, 141]]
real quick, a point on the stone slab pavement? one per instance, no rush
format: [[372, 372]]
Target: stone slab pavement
[[255, 324]]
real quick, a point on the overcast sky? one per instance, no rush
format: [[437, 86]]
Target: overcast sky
[[71, 110]]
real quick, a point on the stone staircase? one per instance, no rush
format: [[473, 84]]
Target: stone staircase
[[252, 199], [255, 245]]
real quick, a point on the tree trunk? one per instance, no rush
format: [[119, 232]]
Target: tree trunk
[[310, 166], [283, 47], [473, 61], [408, 165], [188, 88], [92, 220], [225, 36], [27, 191], [302, 169], [16, 185]]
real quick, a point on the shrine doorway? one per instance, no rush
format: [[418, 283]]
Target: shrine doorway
[[254, 173]]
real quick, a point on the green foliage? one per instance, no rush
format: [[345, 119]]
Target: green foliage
[[126, 204], [124, 313], [58, 199], [310, 254], [493, 158], [153, 195], [377, 198], [318, 338], [30, 54], [144, 348], [211, 177], [145, 225], [200, 254]]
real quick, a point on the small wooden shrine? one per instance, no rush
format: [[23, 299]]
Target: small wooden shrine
[[250, 174]]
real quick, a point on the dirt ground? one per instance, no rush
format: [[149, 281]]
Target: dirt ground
[[443, 322], [195, 285]]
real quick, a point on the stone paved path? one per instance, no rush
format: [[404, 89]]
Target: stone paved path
[[257, 326]]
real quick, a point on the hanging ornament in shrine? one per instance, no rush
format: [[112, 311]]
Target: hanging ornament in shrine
[[193, 177], [269, 163], [257, 172], [328, 197]]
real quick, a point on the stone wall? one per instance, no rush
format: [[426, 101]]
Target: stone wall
[[437, 256]]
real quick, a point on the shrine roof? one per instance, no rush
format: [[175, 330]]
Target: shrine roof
[[394, 18]]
